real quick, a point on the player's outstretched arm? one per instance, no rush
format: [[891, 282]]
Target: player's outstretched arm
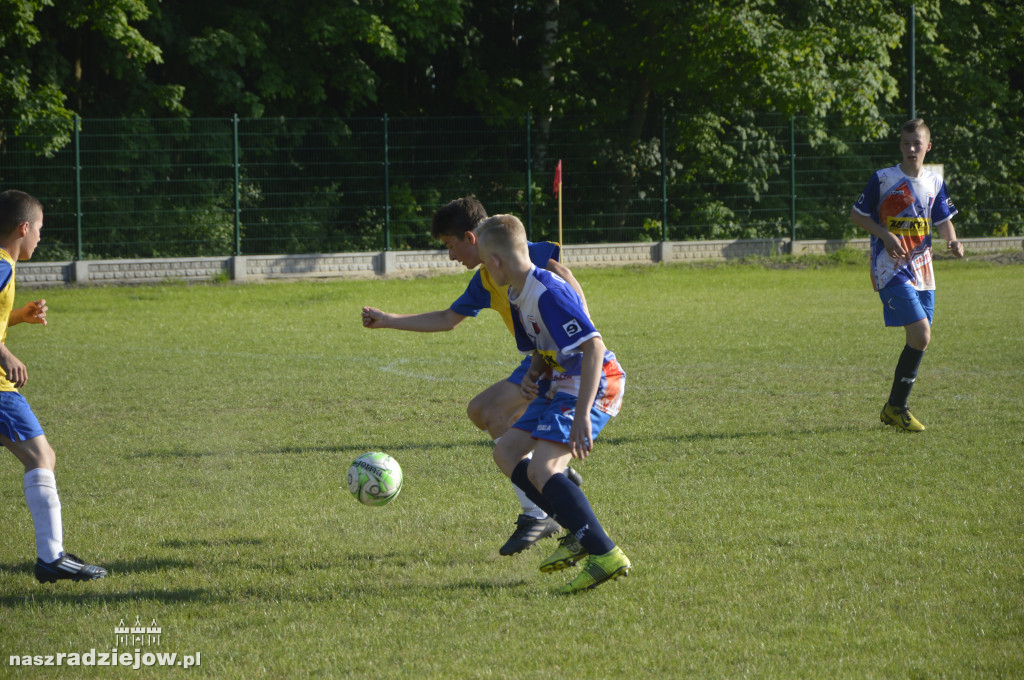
[[33, 312], [948, 232], [427, 322], [556, 267]]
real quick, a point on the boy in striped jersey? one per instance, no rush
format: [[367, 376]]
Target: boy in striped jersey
[[552, 325]]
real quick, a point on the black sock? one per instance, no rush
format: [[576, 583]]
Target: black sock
[[520, 479], [573, 512], [906, 374]]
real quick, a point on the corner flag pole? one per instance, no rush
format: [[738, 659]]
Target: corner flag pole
[[558, 193]]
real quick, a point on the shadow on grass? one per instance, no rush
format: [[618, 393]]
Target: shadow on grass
[[352, 450], [144, 564], [180, 544], [81, 594], [731, 436]]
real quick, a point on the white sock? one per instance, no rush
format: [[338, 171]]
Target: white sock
[[44, 505]]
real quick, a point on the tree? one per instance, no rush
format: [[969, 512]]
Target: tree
[[321, 59], [76, 56]]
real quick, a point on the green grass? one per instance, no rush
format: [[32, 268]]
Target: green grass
[[777, 529]]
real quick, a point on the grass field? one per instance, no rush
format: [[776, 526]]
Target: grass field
[[777, 529]]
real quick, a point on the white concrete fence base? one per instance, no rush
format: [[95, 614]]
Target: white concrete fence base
[[408, 263]]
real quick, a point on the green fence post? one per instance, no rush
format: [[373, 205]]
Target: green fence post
[[238, 209], [911, 66], [387, 190], [78, 188], [664, 181], [792, 179], [529, 180]]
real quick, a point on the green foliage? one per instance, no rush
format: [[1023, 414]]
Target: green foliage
[[599, 79]]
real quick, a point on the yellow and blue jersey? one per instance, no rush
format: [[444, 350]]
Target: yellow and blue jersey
[[483, 293], [6, 305], [907, 207]]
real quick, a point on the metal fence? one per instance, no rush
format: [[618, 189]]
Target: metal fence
[[132, 188]]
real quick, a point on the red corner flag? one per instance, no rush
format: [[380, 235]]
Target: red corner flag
[[558, 177]]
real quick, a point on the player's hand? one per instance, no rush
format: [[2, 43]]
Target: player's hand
[[528, 387], [13, 367], [35, 312], [372, 317], [581, 436], [894, 246], [956, 248]]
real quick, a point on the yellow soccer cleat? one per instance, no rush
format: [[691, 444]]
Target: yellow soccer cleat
[[901, 418], [598, 569], [568, 553]]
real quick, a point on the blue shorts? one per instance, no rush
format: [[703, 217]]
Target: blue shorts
[[17, 422], [543, 386], [903, 305], [551, 419]]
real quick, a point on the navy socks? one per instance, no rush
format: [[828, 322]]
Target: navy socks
[[906, 374], [572, 511], [565, 502]]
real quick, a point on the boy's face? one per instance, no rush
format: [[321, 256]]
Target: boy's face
[[28, 246], [914, 145], [462, 249]]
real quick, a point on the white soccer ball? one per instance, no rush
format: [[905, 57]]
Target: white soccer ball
[[375, 478]]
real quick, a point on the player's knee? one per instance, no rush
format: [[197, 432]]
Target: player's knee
[[47, 460], [538, 474], [475, 411], [920, 339], [504, 459]]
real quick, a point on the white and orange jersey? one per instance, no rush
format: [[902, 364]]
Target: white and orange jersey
[[548, 317], [908, 207]]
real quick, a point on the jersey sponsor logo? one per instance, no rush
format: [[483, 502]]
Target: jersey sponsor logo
[[533, 323], [551, 359], [909, 226], [896, 201], [572, 327]]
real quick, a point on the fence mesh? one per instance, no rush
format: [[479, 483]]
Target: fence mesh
[[132, 188]]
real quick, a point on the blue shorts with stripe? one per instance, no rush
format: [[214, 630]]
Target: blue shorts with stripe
[[17, 421], [551, 419], [903, 305]]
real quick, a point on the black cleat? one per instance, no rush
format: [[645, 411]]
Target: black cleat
[[67, 566], [528, 531], [574, 477]]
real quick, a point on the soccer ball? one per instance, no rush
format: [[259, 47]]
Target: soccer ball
[[375, 478]]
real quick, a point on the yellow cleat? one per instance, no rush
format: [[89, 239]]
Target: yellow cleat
[[901, 418], [568, 553], [598, 569]]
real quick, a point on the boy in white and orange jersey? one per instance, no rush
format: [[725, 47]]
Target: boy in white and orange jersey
[[899, 208]]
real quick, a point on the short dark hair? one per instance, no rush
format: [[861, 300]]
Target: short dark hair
[[457, 217], [17, 207], [914, 125]]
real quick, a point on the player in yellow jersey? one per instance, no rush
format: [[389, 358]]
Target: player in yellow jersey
[[21, 220], [497, 407]]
